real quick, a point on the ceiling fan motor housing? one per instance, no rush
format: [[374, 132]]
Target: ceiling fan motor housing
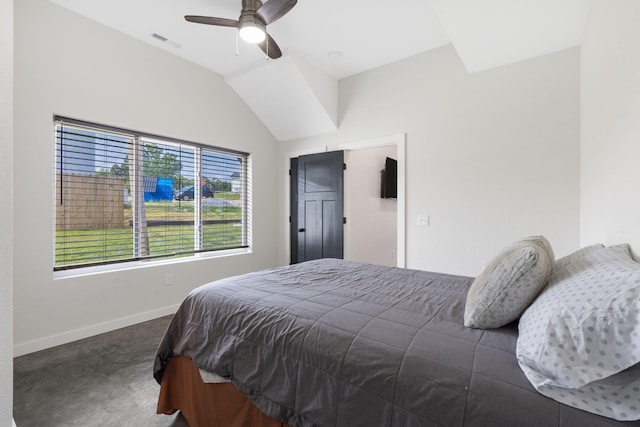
[[248, 17]]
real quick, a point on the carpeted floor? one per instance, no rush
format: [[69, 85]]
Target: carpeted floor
[[104, 381]]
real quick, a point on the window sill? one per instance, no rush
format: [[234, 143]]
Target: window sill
[[86, 271]]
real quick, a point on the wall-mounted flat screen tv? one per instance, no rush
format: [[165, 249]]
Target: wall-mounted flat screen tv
[[389, 181]]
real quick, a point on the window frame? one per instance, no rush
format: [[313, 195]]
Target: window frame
[[138, 139]]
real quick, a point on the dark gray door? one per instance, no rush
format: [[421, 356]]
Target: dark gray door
[[317, 211]]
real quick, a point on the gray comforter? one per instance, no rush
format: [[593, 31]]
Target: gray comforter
[[337, 343]]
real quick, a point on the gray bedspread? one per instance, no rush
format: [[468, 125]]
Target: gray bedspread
[[337, 343]]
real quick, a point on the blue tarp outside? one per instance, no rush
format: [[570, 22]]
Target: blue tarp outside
[[163, 190]]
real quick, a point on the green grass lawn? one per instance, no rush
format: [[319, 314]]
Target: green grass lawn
[[227, 196], [90, 246], [183, 211]]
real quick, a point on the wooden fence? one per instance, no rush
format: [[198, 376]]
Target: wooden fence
[[87, 202]]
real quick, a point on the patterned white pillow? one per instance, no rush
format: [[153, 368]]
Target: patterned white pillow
[[580, 339], [509, 283], [560, 265]]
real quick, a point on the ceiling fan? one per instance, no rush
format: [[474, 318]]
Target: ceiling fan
[[253, 21]]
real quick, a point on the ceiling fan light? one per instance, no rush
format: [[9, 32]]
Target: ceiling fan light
[[252, 34]]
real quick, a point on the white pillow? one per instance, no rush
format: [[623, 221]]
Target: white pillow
[[508, 284], [560, 265], [583, 331]]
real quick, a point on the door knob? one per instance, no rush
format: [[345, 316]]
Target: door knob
[[301, 230]]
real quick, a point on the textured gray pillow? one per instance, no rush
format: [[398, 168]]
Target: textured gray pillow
[[509, 283]]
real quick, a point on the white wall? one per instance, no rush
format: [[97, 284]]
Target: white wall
[[66, 64], [6, 212], [610, 175], [370, 232], [491, 156]]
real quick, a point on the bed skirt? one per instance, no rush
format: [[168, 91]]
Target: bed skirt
[[206, 404]]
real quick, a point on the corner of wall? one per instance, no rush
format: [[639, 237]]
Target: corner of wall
[[6, 212]]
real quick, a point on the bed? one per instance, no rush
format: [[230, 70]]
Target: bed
[[338, 343]]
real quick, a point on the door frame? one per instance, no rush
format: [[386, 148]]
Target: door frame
[[399, 141]]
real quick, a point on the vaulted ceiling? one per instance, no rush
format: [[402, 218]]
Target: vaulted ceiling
[[327, 40]]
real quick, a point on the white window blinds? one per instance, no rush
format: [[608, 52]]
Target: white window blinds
[[123, 196]]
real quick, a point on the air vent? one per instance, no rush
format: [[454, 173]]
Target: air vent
[[159, 37], [165, 40]]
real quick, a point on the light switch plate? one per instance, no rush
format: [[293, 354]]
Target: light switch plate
[[423, 220]]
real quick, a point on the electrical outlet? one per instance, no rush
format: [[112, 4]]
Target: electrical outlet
[[423, 220], [168, 280]]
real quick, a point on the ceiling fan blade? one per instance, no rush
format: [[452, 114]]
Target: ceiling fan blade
[[274, 9], [209, 20], [270, 47]]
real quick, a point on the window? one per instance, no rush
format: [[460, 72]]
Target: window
[[123, 196]]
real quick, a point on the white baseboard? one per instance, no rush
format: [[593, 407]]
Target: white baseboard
[[21, 349]]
